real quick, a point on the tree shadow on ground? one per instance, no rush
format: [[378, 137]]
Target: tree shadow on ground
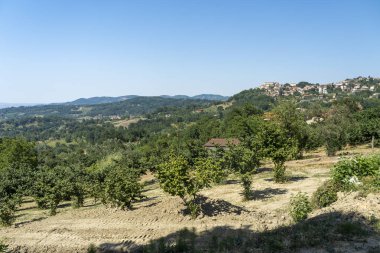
[[264, 169], [26, 208], [331, 232], [296, 178], [64, 205], [266, 193], [289, 179], [214, 207], [309, 156], [150, 182], [145, 199], [232, 181], [19, 224], [92, 204]]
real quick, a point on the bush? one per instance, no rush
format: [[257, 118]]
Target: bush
[[300, 207], [3, 247], [7, 210], [246, 182], [91, 248], [325, 195], [357, 167], [279, 173]]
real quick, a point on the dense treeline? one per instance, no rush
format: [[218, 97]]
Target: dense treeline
[[57, 128]]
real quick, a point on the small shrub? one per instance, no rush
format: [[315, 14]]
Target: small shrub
[[91, 248], [279, 173], [3, 247], [8, 208], [300, 207], [194, 208], [246, 182], [325, 195]]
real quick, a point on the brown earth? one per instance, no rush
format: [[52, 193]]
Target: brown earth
[[73, 230]]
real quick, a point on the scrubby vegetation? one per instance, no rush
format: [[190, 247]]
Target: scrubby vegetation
[[325, 195], [357, 173], [300, 207]]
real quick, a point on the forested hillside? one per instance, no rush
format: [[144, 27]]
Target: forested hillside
[[130, 107]]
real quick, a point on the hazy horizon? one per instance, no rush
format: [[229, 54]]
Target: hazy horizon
[[59, 51]]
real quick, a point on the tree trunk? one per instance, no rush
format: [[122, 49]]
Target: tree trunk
[[373, 142]]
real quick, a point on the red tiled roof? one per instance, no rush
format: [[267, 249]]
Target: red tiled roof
[[220, 142]]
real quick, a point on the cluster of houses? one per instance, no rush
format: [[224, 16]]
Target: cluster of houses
[[305, 89]]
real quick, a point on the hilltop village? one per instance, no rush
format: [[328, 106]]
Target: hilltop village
[[365, 86]]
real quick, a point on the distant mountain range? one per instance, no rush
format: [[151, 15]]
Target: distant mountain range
[[105, 100]]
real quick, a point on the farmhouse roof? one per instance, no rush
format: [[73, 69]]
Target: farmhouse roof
[[220, 142]]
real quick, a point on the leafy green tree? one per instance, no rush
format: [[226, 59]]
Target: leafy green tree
[[51, 187], [95, 182], [77, 178], [273, 141], [335, 129], [369, 126], [122, 187], [243, 161], [17, 163], [292, 121], [10, 197], [334, 137], [17, 152], [178, 178]]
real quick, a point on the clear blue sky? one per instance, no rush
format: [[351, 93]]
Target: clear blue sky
[[52, 51]]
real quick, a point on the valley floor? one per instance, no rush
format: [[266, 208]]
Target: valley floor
[[160, 215]]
